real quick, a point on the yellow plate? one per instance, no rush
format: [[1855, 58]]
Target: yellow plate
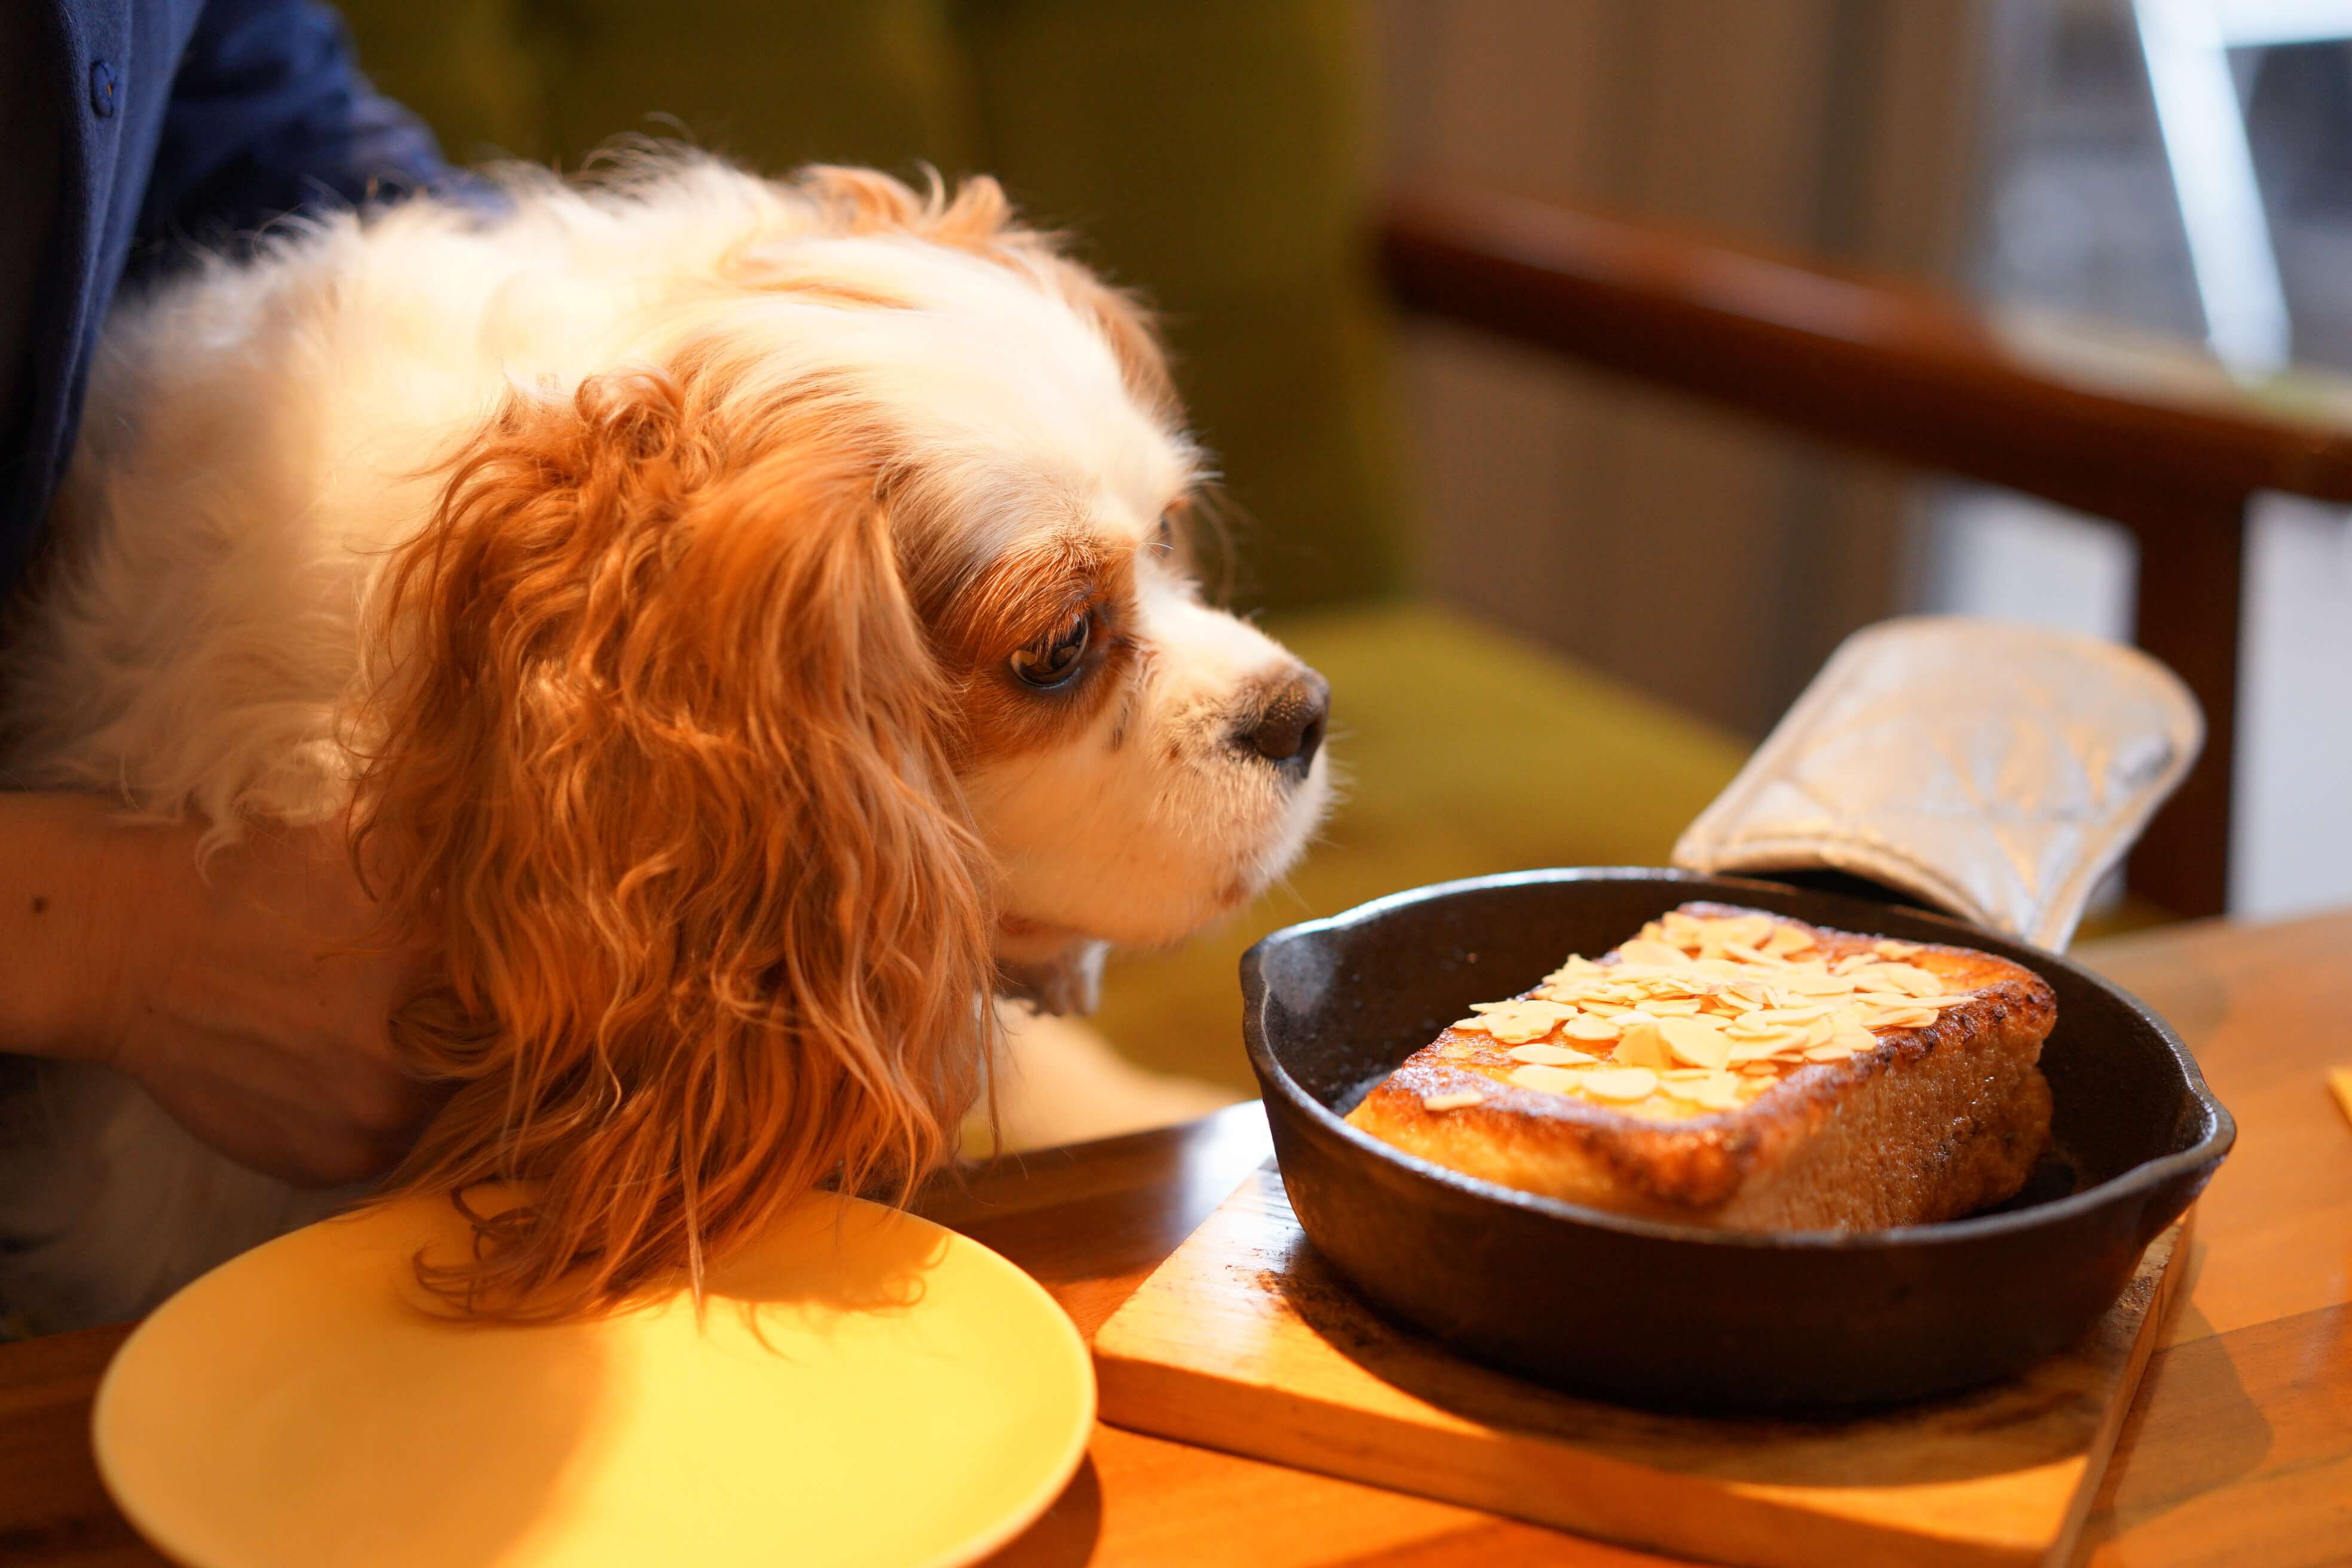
[[865, 1388]]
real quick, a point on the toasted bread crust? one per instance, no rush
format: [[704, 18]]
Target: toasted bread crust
[[1934, 1122]]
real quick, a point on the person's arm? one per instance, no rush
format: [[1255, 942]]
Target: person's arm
[[235, 998], [230, 995], [270, 115]]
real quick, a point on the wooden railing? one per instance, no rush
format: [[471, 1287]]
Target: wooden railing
[[1899, 372]]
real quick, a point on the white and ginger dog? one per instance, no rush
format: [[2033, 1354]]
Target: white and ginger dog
[[742, 622]]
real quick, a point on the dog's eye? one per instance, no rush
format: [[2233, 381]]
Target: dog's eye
[[1053, 663], [1163, 534]]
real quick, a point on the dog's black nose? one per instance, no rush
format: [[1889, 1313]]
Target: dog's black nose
[[1289, 728]]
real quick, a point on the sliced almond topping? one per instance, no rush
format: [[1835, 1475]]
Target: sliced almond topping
[[1546, 1080], [1868, 1011], [1852, 1039], [1910, 977], [1788, 1016], [1720, 1091], [1805, 983], [1516, 1022], [1617, 1083], [1695, 1042], [1457, 1099], [1641, 1046], [1714, 1007], [1548, 1056]]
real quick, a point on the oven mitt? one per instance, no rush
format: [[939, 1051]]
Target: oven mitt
[[1993, 769]]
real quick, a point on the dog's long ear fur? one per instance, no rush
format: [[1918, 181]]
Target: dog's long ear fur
[[657, 760]]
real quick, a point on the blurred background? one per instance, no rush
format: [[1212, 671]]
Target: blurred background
[[1558, 604]]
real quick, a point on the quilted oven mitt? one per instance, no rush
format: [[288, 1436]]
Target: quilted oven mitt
[[1993, 769]]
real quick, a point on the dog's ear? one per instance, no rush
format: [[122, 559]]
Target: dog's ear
[[657, 756]]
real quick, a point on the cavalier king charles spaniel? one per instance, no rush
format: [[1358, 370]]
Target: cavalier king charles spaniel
[[746, 624]]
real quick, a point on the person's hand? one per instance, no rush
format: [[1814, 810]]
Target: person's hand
[[240, 999]]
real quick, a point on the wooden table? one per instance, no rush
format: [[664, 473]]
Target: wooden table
[[2238, 1451]]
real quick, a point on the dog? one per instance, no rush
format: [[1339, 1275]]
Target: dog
[[745, 624]]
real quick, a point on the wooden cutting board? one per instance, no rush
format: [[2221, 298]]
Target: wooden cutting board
[[1245, 1340]]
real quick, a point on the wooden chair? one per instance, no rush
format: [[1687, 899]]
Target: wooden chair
[[1899, 372]]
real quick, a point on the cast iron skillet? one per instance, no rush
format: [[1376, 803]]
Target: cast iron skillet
[[1677, 1315]]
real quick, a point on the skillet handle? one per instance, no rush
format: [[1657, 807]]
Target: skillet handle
[[1989, 769]]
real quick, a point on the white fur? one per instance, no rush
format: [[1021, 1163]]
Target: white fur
[[1058, 1082], [260, 434]]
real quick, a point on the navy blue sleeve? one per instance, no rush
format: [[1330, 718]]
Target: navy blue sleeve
[[269, 114]]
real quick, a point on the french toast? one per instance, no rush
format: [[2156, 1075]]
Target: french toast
[[1747, 1071]]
